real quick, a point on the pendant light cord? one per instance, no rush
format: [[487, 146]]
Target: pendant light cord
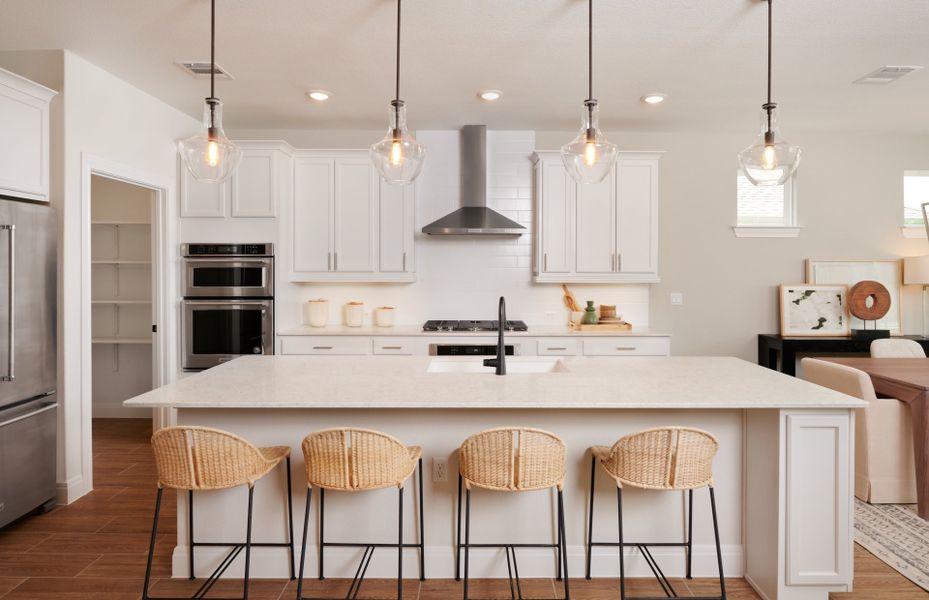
[[590, 49], [397, 87], [769, 106], [212, 48]]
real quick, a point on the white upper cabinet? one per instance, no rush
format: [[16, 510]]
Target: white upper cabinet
[[347, 224], [597, 233], [252, 191], [24, 129]]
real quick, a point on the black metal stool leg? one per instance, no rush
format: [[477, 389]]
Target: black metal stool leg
[[400, 545], [719, 552], [622, 561], [422, 527], [306, 526], [290, 519], [458, 538], [557, 546], [590, 515], [562, 543], [190, 534], [690, 532], [151, 545], [322, 522], [467, 544], [248, 540]]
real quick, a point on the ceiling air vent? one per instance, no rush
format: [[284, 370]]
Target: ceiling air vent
[[201, 69], [884, 75]]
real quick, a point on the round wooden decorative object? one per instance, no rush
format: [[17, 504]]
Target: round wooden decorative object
[[858, 298]]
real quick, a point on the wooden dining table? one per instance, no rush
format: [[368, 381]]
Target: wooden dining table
[[906, 379]]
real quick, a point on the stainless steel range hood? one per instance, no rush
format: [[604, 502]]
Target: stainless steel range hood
[[474, 218]]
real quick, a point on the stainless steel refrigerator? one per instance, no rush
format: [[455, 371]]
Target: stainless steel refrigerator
[[28, 360]]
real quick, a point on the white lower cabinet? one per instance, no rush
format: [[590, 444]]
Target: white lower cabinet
[[557, 347], [523, 345], [331, 345], [346, 223], [627, 346]]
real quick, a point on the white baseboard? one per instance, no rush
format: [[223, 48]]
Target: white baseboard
[[485, 562], [67, 492]]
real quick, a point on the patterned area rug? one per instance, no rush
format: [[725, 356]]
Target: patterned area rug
[[895, 534]]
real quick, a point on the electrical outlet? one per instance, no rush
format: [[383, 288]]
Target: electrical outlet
[[677, 298], [439, 470]]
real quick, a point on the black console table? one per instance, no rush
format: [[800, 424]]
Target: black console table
[[772, 346]]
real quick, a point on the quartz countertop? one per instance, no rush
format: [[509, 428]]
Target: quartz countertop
[[417, 330], [403, 382]]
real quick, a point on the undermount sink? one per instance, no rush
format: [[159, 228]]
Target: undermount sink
[[514, 366]]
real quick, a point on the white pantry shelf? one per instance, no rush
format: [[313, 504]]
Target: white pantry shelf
[[120, 262], [120, 223], [117, 301]]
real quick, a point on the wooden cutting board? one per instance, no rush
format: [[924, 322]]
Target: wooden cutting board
[[602, 327]]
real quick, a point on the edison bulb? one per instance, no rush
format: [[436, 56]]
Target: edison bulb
[[769, 158], [396, 153], [590, 154], [212, 153]]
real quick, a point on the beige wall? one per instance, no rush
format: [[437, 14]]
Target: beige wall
[[850, 189]]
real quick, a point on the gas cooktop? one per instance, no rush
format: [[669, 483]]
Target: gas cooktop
[[473, 326]]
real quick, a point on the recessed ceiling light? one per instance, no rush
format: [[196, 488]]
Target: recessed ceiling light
[[490, 95], [654, 98], [318, 95]]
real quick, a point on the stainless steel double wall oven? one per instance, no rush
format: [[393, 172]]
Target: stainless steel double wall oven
[[228, 302]]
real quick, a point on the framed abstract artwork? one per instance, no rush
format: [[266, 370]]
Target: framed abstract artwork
[[850, 272], [814, 310]]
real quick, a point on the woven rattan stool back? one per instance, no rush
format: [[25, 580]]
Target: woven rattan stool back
[[356, 459], [513, 459], [666, 458], [200, 458]]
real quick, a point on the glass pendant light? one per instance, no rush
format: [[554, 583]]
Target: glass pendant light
[[209, 155], [398, 157], [770, 160], [589, 157]]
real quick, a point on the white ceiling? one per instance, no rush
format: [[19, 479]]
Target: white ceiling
[[707, 55]]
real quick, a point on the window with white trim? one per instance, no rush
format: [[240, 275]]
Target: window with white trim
[[765, 206], [915, 193]]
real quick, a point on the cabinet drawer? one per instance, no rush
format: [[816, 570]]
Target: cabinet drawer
[[395, 346], [326, 345], [557, 347], [628, 346]]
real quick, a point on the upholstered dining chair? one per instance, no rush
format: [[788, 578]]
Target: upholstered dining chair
[[885, 470], [896, 348]]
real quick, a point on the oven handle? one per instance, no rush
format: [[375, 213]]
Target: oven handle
[[263, 304]]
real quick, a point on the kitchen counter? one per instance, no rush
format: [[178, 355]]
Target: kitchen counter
[[417, 330], [405, 382], [782, 476]]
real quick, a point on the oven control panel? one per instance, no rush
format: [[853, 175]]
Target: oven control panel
[[191, 250]]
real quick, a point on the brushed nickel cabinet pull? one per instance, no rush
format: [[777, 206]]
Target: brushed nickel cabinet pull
[[559, 348], [335, 261], [404, 262], [322, 347], [392, 347], [11, 309], [629, 348], [328, 261], [619, 263], [545, 262]]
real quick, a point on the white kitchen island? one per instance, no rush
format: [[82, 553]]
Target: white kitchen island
[[783, 474]]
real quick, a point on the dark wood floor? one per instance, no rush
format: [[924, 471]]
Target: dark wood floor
[[95, 549]]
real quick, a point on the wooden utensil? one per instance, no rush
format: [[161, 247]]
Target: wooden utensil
[[569, 299]]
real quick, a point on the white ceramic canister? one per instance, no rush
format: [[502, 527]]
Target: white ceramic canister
[[384, 316], [354, 314], [316, 312]]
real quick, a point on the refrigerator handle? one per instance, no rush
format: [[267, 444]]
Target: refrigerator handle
[[11, 309]]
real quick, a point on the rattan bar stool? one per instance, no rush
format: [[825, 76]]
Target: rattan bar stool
[[665, 458], [355, 460], [511, 459], [199, 459]]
